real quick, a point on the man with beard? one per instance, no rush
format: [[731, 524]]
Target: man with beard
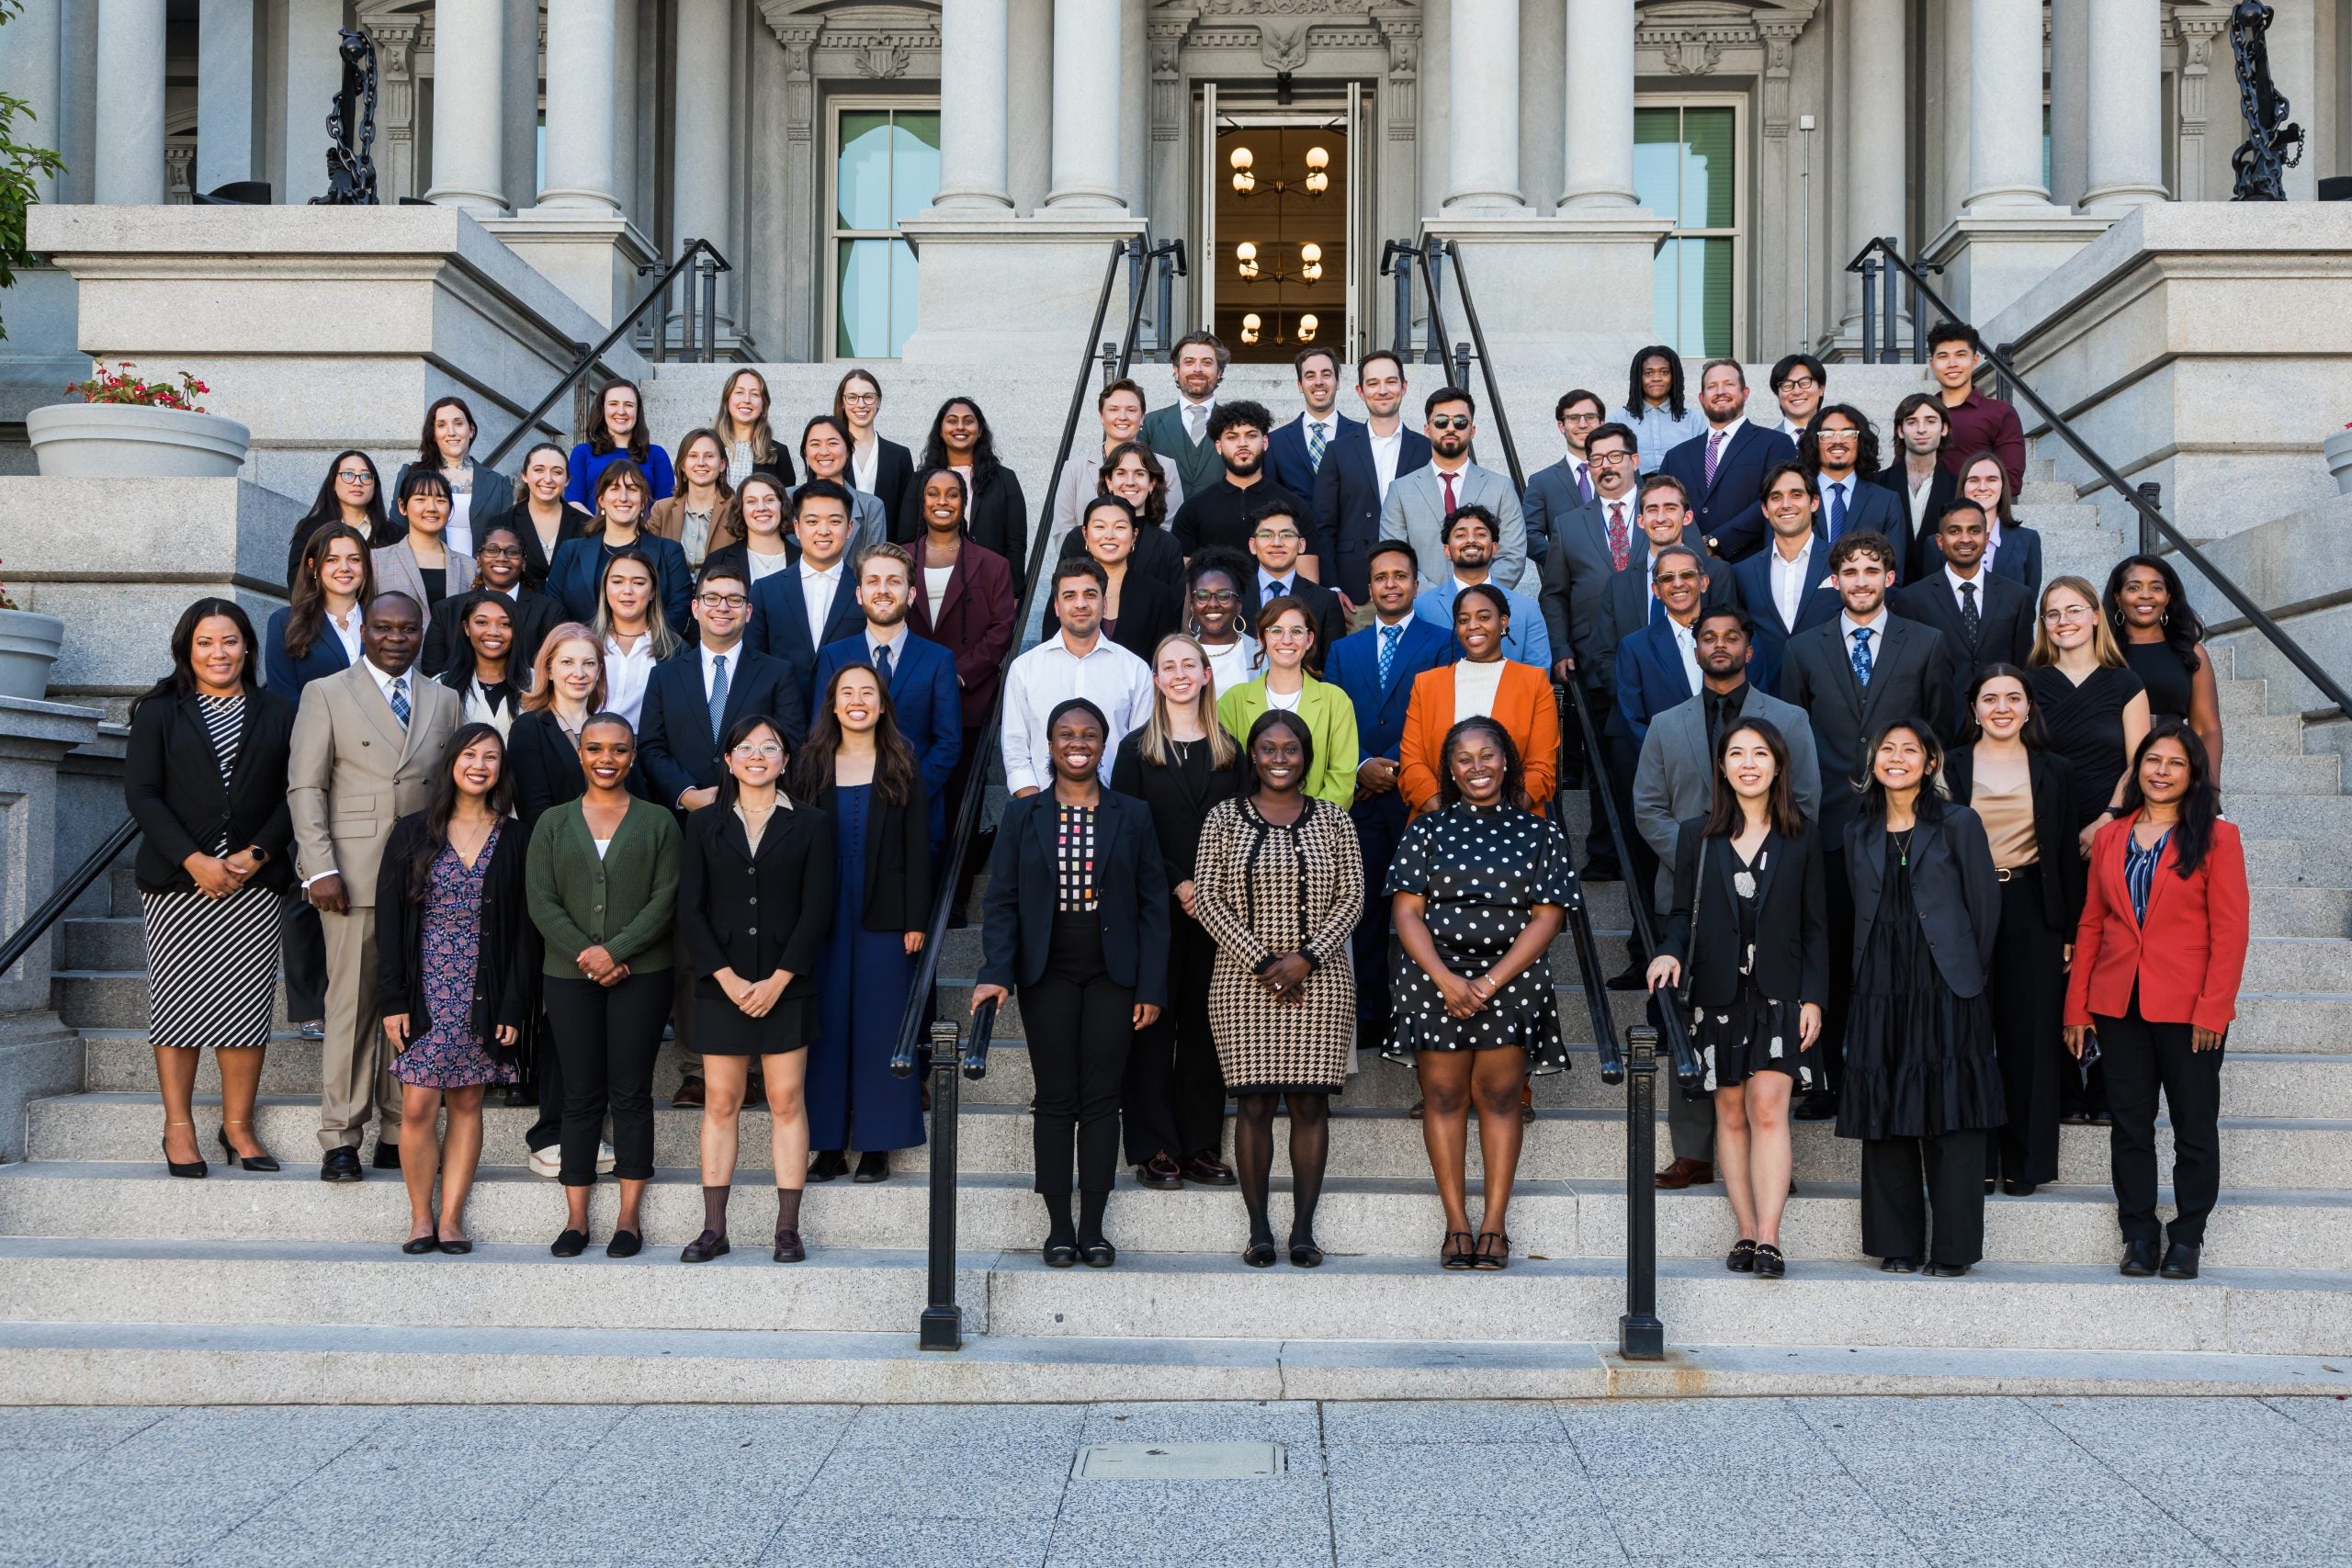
[[918, 675], [1722, 471], [1364, 463], [1180, 431], [1470, 546], [1217, 515], [1842, 450], [1419, 502]]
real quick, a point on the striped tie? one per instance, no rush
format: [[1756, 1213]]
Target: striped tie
[[400, 699], [1315, 446]]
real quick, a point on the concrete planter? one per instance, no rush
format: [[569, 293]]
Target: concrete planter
[[29, 645], [124, 441], [2338, 450]]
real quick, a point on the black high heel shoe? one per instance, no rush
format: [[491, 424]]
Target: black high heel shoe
[[192, 1169], [262, 1161]]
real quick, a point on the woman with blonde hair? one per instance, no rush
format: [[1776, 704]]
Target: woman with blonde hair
[[2093, 706], [1180, 764], [634, 630], [744, 434]]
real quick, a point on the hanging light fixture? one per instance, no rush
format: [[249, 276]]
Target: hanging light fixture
[[1245, 257], [1249, 325], [1310, 258], [1306, 328], [1244, 181], [1318, 165]]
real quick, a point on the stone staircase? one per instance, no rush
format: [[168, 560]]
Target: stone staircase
[[122, 1284]]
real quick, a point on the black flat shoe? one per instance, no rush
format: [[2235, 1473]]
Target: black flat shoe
[[1305, 1254], [1898, 1266], [705, 1248], [261, 1161], [828, 1166], [1494, 1251], [570, 1244], [193, 1169], [1742, 1257], [1770, 1264], [872, 1167], [2019, 1188], [1945, 1271], [625, 1244], [387, 1155], [1258, 1254], [457, 1246], [1458, 1257], [1060, 1254], [2181, 1261], [789, 1248], [418, 1246], [337, 1165], [1097, 1254], [2138, 1260]]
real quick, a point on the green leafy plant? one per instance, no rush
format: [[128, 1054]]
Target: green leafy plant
[[123, 384], [22, 167]]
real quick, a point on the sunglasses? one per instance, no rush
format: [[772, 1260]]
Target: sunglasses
[[1449, 422]]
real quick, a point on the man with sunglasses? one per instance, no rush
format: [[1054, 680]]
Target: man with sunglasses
[[1419, 502]]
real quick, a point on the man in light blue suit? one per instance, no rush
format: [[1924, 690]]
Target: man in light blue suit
[[1419, 502], [1470, 545], [919, 676]]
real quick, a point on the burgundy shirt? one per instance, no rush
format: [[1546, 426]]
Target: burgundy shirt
[[1982, 424]]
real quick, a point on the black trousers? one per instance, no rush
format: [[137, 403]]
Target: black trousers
[[2028, 1002], [1080, 1023], [2141, 1058], [1906, 1178], [1174, 1099], [606, 1037], [547, 1078], [1592, 775], [302, 947], [1623, 757], [1380, 824], [1841, 969]]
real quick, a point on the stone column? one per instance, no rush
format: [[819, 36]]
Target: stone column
[[1954, 70], [470, 106], [2070, 50], [2005, 107], [131, 108], [519, 131], [580, 112], [2124, 104], [1087, 70], [1877, 123], [701, 193], [1483, 167], [972, 107], [29, 71], [1601, 105], [311, 76], [224, 93]]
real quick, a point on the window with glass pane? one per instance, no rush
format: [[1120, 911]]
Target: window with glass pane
[[885, 168], [1686, 167]]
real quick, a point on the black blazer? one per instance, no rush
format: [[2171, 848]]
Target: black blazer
[[1018, 930], [998, 517], [171, 782], [1330, 621], [1910, 678], [1919, 556], [897, 896], [1792, 918], [2055, 826], [756, 913], [545, 764], [1148, 609], [506, 965], [676, 750], [1953, 888], [2005, 622], [576, 523], [894, 470], [533, 614], [1177, 813]]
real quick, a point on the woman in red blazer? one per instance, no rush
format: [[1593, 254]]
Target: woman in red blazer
[[1520, 702], [2157, 961]]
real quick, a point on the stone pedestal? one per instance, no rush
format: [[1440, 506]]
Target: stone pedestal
[[1577, 289], [39, 1055], [999, 289], [592, 256], [1989, 261]]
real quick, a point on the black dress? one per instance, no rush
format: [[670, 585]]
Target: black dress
[[2168, 681], [2086, 727]]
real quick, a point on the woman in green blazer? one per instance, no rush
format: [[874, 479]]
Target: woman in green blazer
[[1286, 632], [601, 879]]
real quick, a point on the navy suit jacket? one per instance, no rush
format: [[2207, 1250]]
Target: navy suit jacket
[[1286, 454], [780, 625], [287, 675], [1871, 508], [1650, 679], [1754, 577], [1354, 668], [1347, 506], [1731, 512], [575, 579], [676, 750], [925, 703], [2018, 559]]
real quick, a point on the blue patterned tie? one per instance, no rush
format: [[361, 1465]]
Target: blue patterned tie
[[400, 699], [882, 665], [718, 694], [1389, 638], [1315, 445], [1836, 511], [1862, 655]]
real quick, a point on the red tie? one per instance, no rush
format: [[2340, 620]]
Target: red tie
[[1447, 481], [1617, 540]]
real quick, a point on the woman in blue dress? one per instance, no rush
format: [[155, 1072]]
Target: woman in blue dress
[[859, 771]]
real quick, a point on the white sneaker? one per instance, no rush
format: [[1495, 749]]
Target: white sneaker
[[548, 1162], [605, 1159]]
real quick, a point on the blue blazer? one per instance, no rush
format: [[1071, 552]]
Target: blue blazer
[[1869, 508], [1346, 502], [1354, 668], [1731, 512], [2018, 559], [287, 675], [575, 575], [780, 625], [925, 702], [1650, 679], [1754, 577], [1286, 456], [676, 750]]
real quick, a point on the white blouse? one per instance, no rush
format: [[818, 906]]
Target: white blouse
[[1474, 686]]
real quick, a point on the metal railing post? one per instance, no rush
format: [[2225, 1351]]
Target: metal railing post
[[1641, 1337], [1434, 259], [2152, 493], [2003, 387], [686, 316], [1869, 305], [1138, 258], [942, 1318], [1889, 325], [1919, 324], [1392, 263], [1161, 337], [708, 268]]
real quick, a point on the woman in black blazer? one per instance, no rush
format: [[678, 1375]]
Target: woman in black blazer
[[1750, 923], [1179, 764], [857, 402], [567, 685], [1922, 1083], [1077, 916], [1137, 610], [2024, 794], [755, 898], [540, 516], [998, 516], [204, 775]]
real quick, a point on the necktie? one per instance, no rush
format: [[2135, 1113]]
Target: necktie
[[1196, 421], [1447, 481], [1389, 638], [1836, 511], [1969, 617], [882, 665], [718, 696], [1277, 588], [1584, 480], [400, 699], [1618, 542], [1862, 655], [1714, 450], [1315, 439]]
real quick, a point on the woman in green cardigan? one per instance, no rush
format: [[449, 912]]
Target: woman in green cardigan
[[601, 879], [1286, 632]]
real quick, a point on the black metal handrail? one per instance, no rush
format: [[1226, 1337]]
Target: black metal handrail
[[1486, 364], [2151, 515], [694, 250], [60, 897], [1590, 968]]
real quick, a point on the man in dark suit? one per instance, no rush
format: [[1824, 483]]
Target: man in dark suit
[[812, 602], [1786, 588], [918, 675], [1180, 431], [1841, 450], [1628, 604], [1276, 538], [1986, 618], [696, 694], [1296, 451], [1569, 483], [1375, 667], [1853, 676], [1353, 481], [1589, 539], [1723, 471], [1917, 477]]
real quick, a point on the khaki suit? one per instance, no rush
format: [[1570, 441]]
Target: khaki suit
[[353, 773]]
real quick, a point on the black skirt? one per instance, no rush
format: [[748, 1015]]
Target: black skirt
[[1920, 1062], [1754, 1035], [722, 1028]]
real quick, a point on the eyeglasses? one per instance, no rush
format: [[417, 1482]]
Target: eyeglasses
[[749, 752], [1449, 422], [861, 397], [723, 601], [355, 475], [1216, 596], [1800, 384], [485, 551], [2057, 612], [1610, 459], [1275, 535]]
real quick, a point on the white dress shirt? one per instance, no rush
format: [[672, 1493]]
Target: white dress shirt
[[1686, 642], [1309, 424], [385, 683], [626, 669], [1788, 584], [710, 658], [1266, 579], [1194, 417], [862, 463], [1846, 489], [1050, 674], [1848, 626], [896, 642], [816, 589], [348, 635], [1953, 576], [1730, 433], [1386, 451], [1917, 495]]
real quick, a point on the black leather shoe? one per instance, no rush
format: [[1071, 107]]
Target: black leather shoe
[[1097, 1254], [1161, 1173], [1898, 1266], [1632, 977], [1742, 1257], [1207, 1170], [705, 1248], [192, 1169], [625, 1244], [872, 1167], [1945, 1271], [2181, 1261], [1060, 1254], [789, 1248], [387, 1155], [829, 1166], [340, 1164], [2139, 1259]]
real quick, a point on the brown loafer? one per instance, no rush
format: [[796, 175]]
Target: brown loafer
[[689, 1093], [1685, 1173]]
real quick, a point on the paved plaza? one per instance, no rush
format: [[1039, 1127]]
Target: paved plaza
[[2012, 1481]]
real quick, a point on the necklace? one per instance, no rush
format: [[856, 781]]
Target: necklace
[[1902, 845]]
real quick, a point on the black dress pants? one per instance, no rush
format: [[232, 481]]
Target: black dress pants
[[1841, 969], [1080, 1023], [1906, 1178], [1174, 1100], [1640, 866], [1592, 775], [1380, 823], [547, 1078], [2028, 1002], [606, 1037], [302, 947], [2142, 1057]]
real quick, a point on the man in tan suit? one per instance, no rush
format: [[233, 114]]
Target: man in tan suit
[[367, 742]]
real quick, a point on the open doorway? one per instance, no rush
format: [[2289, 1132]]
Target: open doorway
[[1283, 190]]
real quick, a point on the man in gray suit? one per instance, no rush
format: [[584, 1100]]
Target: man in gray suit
[[1675, 780], [1419, 502], [367, 743], [1180, 431]]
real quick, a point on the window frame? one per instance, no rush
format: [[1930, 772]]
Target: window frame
[[831, 234], [1742, 190]]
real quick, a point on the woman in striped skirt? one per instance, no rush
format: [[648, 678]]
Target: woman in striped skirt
[[204, 775]]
